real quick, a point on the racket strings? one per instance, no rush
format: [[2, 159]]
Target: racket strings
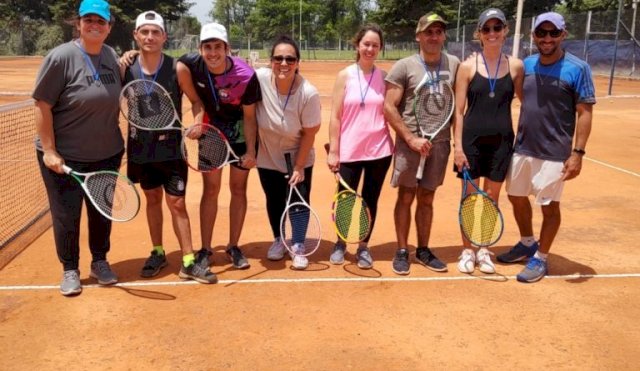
[[433, 109], [208, 152], [480, 220], [300, 227], [113, 194], [351, 217], [145, 105]]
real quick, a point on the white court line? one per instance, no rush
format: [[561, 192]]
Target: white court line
[[613, 167], [323, 280]]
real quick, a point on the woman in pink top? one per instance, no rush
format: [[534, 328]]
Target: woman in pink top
[[359, 139]]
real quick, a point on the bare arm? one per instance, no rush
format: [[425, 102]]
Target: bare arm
[[44, 129], [248, 160], [186, 85], [333, 157], [573, 165], [517, 72], [462, 86], [392, 99]]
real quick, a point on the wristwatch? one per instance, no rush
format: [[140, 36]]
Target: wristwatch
[[579, 151]]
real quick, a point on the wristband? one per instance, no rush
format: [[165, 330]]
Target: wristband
[[579, 151]]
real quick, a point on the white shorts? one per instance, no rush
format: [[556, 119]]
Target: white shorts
[[532, 176]]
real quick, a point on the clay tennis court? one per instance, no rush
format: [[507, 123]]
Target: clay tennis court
[[582, 316]]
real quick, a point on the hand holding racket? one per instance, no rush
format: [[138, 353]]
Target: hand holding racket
[[111, 193], [480, 218], [148, 106], [433, 106], [299, 224]]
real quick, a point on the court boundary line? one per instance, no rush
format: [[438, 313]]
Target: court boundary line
[[320, 280], [612, 167]]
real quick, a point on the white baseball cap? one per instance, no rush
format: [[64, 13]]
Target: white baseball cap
[[151, 18], [213, 31]]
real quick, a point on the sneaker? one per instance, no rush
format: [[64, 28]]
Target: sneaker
[[467, 263], [400, 264], [202, 258], [155, 262], [518, 253], [236, 257], [533, 271], [337, 256], [197, 273], [485, 264], [277, 250], [101, 271], [70, 284], [425, 257], [363, 258], [299, 262]]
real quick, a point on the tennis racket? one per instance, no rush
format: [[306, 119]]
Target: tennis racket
[[148, 106], [111, 193], [349, 212], [432, 107], [299, 225], [480, 218]]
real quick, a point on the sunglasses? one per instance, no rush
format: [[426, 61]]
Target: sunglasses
[[541, 33], [496, 28], [289, 59]]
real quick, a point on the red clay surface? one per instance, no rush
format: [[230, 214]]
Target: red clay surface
[[340, 317]]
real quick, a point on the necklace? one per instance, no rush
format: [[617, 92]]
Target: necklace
[[95, 72], [284, 107], [494, 79], [212, 87], [362, 96], [543, 77], [434, 81], [155, 75]]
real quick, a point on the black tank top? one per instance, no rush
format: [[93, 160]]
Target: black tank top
[[486, 115]]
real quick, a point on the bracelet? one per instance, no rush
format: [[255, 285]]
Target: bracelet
[[579, 151]]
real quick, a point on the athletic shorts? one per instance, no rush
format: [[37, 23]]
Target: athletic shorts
[[171, 175], [489, 157], [533, 176], [406, 162]]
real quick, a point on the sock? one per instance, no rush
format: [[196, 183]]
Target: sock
[[362, 245], [188, 260], [540, 256], [159, 249], [528, 241]]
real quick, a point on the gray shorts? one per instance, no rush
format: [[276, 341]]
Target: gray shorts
[[406, 161]]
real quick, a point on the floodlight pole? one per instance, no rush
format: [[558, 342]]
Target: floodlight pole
[[516, 35], [300, 31], [458, 26], [615, 47]]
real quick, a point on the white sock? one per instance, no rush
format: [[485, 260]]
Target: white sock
[[528, 241], [540, 256]]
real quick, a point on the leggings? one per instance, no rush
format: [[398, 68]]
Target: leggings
[[65, 200], [374, 173]]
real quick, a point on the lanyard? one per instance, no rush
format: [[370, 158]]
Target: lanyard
[[494, 79], [155, 75], [288, 96], [362, 96], [212, 87], [94, 72], [436, 81]]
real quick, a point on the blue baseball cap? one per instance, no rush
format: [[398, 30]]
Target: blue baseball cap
[[97, 7], [553, 17]]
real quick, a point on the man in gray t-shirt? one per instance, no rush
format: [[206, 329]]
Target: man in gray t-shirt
[[402, 80]]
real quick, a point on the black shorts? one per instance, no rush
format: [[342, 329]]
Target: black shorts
[[171, 175], [489, 157]]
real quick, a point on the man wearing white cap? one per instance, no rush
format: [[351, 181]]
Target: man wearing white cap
[[556, 114], [154, 157], [229, 90]]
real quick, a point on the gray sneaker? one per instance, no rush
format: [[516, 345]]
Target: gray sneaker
[[197, 273], [101, 271], [364, 259], [70, 284], [155, 262], [337, 256], [202, 258]]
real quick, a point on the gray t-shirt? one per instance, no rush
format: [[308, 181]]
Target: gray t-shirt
[[85, 111], [278, 136], [407, 74]]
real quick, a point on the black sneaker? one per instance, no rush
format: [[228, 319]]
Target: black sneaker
[[236, 257], [400, 264], [197, 273], [425, 257], [154, 263], [202, 258]]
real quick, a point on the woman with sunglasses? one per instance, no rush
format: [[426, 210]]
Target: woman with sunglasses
[[288, 120], [483, 136], [359, 138]]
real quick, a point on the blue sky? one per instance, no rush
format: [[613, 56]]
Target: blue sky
[[201, 9]]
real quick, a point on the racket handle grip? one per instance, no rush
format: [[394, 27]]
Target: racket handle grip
[[423, 158], [66, 169], [287, 160]]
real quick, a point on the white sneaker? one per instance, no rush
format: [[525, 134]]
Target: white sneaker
[[299, 262], [277, 250], [484, 261], [467, 263]]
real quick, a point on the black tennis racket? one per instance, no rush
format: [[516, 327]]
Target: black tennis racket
[[480, 218], [299, 224], [111, 193], [433, 107]]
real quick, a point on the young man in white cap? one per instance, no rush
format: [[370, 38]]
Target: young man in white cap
[[229, 90], [154, 157], [402, 81], [556, 114]]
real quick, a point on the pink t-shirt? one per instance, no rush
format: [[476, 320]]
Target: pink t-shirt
[[364, 134]]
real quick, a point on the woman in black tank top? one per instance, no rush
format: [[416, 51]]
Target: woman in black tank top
[[483, 134]]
